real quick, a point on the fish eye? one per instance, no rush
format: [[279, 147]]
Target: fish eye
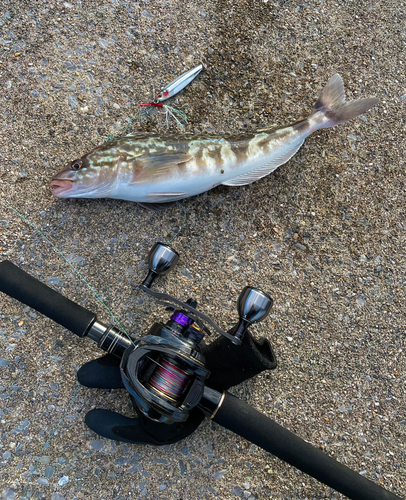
[[76, 165]]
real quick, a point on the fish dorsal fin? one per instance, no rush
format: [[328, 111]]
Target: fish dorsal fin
[[151, 165], [264, 170]]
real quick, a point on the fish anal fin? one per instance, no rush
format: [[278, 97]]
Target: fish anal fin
[[264, 170]]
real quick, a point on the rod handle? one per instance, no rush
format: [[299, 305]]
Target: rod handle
[[22, 286], [239, 417]]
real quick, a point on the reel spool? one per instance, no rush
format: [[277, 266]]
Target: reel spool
[[165, 372]]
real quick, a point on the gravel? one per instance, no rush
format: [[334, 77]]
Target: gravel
[[325, 235]]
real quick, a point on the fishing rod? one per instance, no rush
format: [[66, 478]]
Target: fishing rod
[[166, 373]]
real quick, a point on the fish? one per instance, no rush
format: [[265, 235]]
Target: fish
[[155, 169]]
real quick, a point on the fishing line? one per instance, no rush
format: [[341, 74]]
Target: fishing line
[[129, 122], [169, 380], [49, 439], [56, 249], [182, 225], [168, 377]]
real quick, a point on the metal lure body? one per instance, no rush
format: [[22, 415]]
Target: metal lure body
[[165, 168], [179, 84]]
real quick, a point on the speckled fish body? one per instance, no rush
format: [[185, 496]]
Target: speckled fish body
[[159, 168], [166, 168]]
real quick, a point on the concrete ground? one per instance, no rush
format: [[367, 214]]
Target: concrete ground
[[325, 235]]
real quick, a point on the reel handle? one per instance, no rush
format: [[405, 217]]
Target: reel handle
[[161, 260], [21, 286]]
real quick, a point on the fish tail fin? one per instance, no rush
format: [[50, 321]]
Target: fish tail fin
[[332, 104]]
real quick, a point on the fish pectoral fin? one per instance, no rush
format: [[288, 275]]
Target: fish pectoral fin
[[264, 170], [164, 160], [149, 166]]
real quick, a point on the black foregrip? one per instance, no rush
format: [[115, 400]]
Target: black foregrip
[[242, 419], [21, 286]]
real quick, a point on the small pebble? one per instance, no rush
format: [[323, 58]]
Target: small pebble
[[4, 362], [72, 101], [182, 467], [8, 495], [361, 300], [220, 474], [49, 471], [64, 480], [97, 445], [45, 460], [57, 496]]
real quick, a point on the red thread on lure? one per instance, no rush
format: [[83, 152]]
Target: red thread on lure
[[157, 104]]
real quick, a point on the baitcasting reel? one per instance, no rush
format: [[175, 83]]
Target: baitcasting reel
[[165, 371]]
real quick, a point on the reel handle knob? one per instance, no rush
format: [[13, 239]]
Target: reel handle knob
[[161, 260], [253, 305]]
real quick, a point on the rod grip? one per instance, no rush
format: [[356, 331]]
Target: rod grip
[[22, 286], [239, 417]]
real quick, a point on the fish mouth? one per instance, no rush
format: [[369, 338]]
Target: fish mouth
[[60, 186]]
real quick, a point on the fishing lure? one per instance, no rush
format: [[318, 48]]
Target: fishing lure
[[171, 90], [178, 84]]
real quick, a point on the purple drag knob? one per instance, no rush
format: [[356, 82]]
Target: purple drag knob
[[181, 318]]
